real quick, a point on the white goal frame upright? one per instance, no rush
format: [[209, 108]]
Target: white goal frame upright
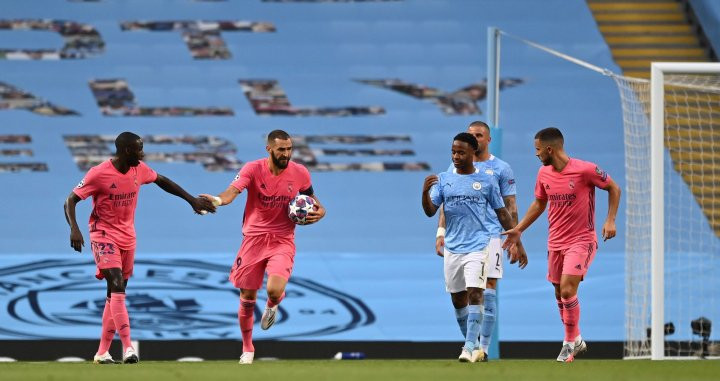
[[657, 195]]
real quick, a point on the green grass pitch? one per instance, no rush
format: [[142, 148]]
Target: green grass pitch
[[368, 370]]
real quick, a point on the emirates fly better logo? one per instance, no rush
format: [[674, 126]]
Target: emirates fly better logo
[[166, 299]]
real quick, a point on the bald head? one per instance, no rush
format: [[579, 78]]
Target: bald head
[[125, 140]]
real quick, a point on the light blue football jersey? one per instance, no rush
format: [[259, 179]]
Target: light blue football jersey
[[465, 200], [506, 180]]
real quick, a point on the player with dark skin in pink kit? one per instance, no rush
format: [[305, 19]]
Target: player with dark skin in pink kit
[[114, 185]]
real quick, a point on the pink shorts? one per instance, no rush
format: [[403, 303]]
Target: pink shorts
[[574, 260], [259, 254], [108, 255]]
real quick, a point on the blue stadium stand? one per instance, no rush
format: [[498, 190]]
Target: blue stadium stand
[[368, 271]]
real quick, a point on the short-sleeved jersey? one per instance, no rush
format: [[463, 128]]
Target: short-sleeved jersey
[[114, 200], [571, 195], [465, 200], [505, 178], [266, 209]]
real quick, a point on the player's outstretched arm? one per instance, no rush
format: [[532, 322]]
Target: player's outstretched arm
[[514, 254], [609, 230], [224, 198], [316, 214], [199, 204], [534, 211], [76, 238], [428, 207], [517, 251]]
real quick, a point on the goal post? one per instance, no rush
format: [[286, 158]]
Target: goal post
[[707, 76], [671, 127]]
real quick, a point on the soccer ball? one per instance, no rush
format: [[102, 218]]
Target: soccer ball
[[299, 208]]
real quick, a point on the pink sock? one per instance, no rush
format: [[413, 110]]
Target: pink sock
[[121, 318], [560, 308], [246, 316], [572, 318], [108, 329], [271, 304]]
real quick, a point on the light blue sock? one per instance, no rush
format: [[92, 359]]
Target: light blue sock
[[488, 323], [461, 314], [474, 321]]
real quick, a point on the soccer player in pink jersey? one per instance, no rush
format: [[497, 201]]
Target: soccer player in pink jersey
[[569, 185], [268, 243], [114, 186]]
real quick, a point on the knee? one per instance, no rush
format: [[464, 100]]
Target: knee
[[248, 294], [275, 295], [567, 292], [491, 283], [459, 300], [116, 284], [476, 296]]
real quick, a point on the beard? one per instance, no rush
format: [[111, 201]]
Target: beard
[[278, 163]]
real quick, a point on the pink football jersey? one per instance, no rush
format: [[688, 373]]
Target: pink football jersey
[[114, 200], [571, 195], [266, 210]]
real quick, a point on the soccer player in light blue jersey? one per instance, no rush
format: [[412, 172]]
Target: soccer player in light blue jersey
[[484, 161], [465, 195]]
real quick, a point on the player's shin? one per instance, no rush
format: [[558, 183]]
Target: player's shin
[[461, 315], [571, 318], [488, 319], [246, 317], [121, 318], [108, 329], [474, 320]]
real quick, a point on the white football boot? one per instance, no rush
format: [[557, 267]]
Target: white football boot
[[580, 346], [465, 356], [247, 358], [268, 317], [130, 357], [566, 353], [478, 355], [104, 358]]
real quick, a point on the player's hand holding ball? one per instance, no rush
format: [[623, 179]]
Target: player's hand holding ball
[[305, 210]]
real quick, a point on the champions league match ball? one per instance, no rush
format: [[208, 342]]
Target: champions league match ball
[[299, 208]]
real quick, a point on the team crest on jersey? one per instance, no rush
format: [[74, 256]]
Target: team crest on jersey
[[170, 299], [477, 186], [571, 184], [81, 184]]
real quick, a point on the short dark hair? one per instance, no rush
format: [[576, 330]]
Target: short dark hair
[[277, 134], [479, 123], [124, 140], [550, 135], [467, 138]]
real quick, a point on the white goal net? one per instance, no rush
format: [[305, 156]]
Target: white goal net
[[672, 205], [687, 215]]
